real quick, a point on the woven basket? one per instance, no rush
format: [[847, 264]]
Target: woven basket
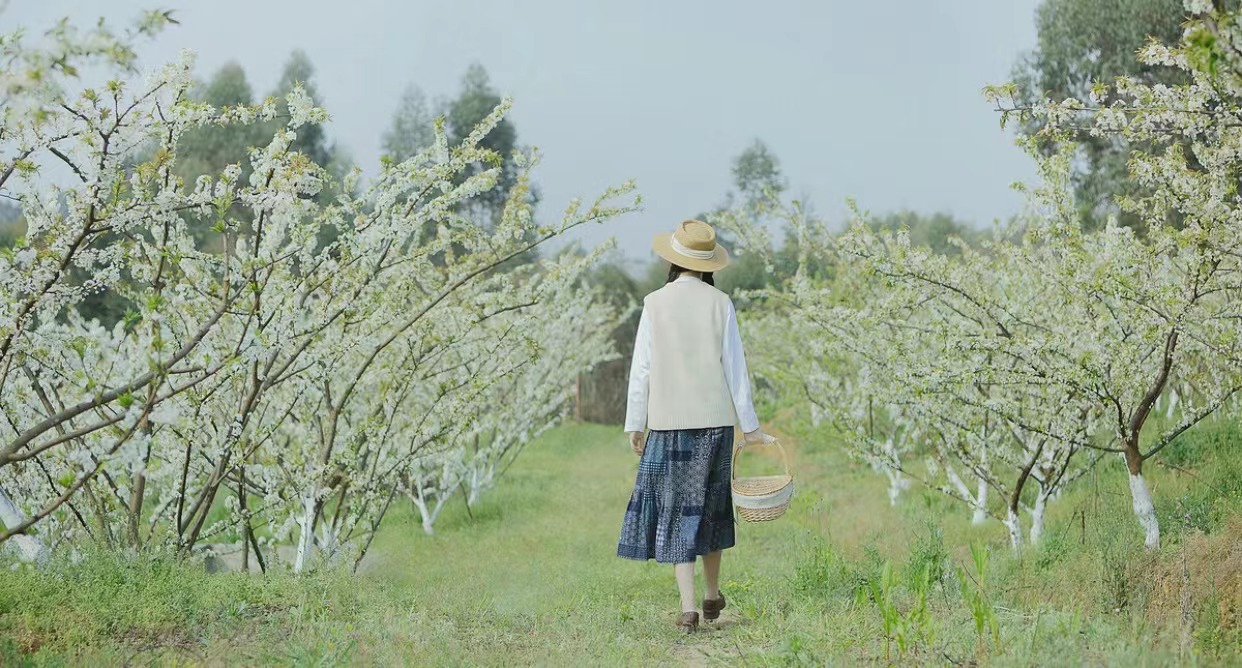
[[762, 498]]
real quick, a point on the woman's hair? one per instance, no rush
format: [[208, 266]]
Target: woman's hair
[[674, 271]]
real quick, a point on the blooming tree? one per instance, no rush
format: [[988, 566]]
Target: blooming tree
[[567, 335], [293, 377], [1026, 357], [1163, 309], [909, 353]]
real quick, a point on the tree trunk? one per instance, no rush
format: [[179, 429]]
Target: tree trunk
[[981, 503], [1037, 516], [1144, 511], [428, 516], [306, 530], [896, 480], [329, 540], [427, 513], [1013, 522], [30, 548], [136, 497], [981, 496], [896, 483], [375, 523], [481, 481], [254, 544], [241, 507], [1143, 508]]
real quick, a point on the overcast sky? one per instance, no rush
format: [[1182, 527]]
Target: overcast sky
[[875, 101]]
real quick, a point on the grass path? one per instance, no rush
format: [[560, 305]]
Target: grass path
[[533, 575]]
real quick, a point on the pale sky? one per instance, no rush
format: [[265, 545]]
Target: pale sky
[[875, 101]]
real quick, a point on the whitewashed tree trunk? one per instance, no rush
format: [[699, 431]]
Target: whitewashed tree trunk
[[981, 503], [480, 481], [473, 482], [1173, 399], [1145, 511], [894, 486], [427, 511], [978, 501], [897, 481], [306, 534], [489, 479], [1013, 522], [981, 497], [29, 547], [1037, 516]]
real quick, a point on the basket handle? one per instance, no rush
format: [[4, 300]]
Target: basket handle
[[738, 448]]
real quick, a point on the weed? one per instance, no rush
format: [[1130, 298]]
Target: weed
[[914, 627], [977, 598], [928, 555]]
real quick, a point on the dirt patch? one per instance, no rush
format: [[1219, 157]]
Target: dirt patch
[[712, 644], [27, 642]]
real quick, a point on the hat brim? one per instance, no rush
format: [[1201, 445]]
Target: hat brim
[[663, 246]]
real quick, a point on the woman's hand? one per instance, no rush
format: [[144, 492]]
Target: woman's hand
[[637, 443], [757, 437]]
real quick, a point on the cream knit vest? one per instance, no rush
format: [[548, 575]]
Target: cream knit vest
[[687, 382]]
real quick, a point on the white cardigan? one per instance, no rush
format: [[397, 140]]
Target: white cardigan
[[733, 362]]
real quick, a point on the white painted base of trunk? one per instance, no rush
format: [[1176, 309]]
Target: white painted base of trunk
[[29, 548], [1037, 518], [306, 535], [1013, 522], [426, 511], [981, 503], [897, 483], [1145, 511]]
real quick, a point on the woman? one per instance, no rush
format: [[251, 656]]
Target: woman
[[688, 387]]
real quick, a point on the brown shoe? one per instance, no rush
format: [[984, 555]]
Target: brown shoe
[[712, 607], [688, 622]]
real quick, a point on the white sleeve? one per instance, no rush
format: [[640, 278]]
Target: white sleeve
[[640, 372], [736, 375]]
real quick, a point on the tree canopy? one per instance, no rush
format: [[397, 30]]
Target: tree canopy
[[1082, 47]]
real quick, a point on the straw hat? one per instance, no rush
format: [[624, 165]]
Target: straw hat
[[693, 246]]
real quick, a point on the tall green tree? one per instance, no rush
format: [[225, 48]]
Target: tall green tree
[[757, 181], [476, 100], [211, 148], [312, 141], [757, 174], [412, 129], [413, 126]]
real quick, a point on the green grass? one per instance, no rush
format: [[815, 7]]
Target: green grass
[[530, 577]]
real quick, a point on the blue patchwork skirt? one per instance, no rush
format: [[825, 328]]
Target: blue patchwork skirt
[[682, 505]]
